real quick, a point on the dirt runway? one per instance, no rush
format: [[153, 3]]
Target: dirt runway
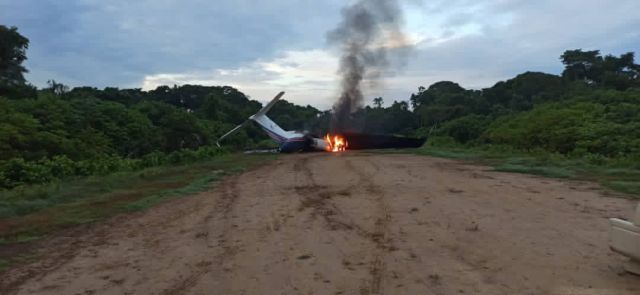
[[351, 223]]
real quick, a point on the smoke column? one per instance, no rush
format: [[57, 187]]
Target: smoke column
[[368, 29]]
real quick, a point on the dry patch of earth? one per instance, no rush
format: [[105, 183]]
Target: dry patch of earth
[[349, 223]]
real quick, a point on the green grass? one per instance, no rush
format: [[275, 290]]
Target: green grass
[[448, 153], [548, 171], [4, 264], [19, 239], [616, 174], [28, 213], [198, 185], [629, 187]]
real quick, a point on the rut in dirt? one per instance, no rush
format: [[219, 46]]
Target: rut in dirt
[[318, 198], [350, 223]]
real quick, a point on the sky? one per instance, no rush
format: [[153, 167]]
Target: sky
[[263, 47]]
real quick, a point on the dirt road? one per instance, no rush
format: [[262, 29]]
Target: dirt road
[[351, 223]]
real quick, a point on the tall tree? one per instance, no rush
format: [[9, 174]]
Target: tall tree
[[13, 51], [594, 69], [378, 102]]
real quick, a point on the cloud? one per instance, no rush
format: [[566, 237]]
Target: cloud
[[118, 42], [478, 43], [308, 77], [262, 47]]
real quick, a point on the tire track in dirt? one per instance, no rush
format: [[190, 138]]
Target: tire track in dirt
[[318, 198], [224, 206], [379, 235], [70, 247], [352, 223]]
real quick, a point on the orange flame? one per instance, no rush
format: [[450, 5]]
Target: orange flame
[[336, 143]]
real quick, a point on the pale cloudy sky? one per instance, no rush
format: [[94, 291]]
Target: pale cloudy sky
[[262, 47]]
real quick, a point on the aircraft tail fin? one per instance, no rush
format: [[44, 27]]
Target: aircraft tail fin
[[266, 108], [272, 129]]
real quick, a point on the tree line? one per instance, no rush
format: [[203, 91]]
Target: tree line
[[592, 108]]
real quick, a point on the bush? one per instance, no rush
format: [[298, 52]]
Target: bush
[[441, 141], [60, 166], [266, 144], [573, 127], [465, 129], [553, 127], [17, 171], [152, 159]]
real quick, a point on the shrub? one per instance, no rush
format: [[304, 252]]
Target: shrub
[[60, 166], [17, 171], [465, 129]]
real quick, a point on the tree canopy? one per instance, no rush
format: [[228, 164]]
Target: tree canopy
[[618, 72], [592, 108], [13, 52]]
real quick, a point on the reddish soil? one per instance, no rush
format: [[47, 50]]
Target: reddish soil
[[351, 223]]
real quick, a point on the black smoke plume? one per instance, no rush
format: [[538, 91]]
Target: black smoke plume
[[368, 30]]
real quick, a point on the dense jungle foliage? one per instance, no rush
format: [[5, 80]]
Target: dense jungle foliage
[[591, 110]]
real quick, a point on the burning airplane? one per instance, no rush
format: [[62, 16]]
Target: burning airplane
[[297, 141], [369, 31]]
